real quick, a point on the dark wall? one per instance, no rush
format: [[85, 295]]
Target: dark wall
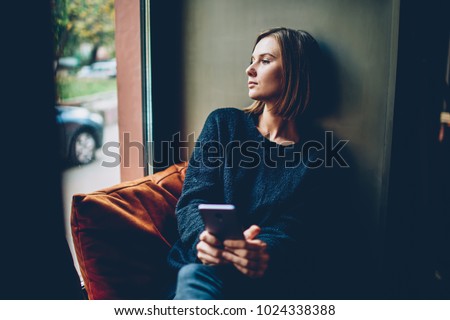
[[417, 245], [35, 258], [167, 94]]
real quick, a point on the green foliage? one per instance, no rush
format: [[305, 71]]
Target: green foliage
[[69, 87], [95, 23], [82, 21], [60, 24], [77, 22]]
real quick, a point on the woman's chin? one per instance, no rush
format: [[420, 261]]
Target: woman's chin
[[253, 96]]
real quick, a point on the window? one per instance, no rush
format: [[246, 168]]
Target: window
[[85, 74]]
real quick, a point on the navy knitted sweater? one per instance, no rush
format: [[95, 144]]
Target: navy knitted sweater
[[270, 185]]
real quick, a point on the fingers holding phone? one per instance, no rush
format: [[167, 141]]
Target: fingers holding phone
[[223, 229], [252, 232], [249, 256], [210, 249]]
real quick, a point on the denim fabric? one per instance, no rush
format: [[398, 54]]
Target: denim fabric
[[199, 282], [203, 282]]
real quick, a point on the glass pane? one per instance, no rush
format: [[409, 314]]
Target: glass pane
[[85, 73]]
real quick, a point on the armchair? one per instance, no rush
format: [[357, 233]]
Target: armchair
[[122, 235]]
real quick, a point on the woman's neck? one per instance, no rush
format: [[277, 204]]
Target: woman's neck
[[277, 129]]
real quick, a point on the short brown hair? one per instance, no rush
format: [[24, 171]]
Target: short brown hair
[[299, 52]]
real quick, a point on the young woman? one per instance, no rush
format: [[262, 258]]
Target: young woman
[[252, 159]]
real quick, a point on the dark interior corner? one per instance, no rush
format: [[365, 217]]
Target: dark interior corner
[[36, 262], [416, 240]]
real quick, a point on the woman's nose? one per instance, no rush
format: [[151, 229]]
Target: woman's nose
[[250, 71]]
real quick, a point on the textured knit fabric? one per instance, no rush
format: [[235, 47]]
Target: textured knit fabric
[[233, 163], [302, 204]]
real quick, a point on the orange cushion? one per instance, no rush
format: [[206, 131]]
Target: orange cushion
[[122, 235]]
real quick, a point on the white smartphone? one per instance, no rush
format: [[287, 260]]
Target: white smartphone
[[221, 221]]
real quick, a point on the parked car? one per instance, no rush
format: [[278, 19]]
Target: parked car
[[100, 69], [81, 133], [68, 62]]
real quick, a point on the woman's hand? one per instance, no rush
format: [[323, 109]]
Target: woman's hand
[[210, 249], [249, 256]]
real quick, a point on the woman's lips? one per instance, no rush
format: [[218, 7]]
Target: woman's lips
[[252, 84]]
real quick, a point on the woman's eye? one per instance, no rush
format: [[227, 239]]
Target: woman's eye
[[265, 61]]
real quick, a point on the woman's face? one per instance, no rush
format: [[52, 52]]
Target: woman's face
[[265, 71]]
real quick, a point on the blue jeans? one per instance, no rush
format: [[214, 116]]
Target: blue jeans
[[203, 282]]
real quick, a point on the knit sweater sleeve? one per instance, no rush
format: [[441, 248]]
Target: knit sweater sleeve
[[202, 184], [282, 238], [287, 231]]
